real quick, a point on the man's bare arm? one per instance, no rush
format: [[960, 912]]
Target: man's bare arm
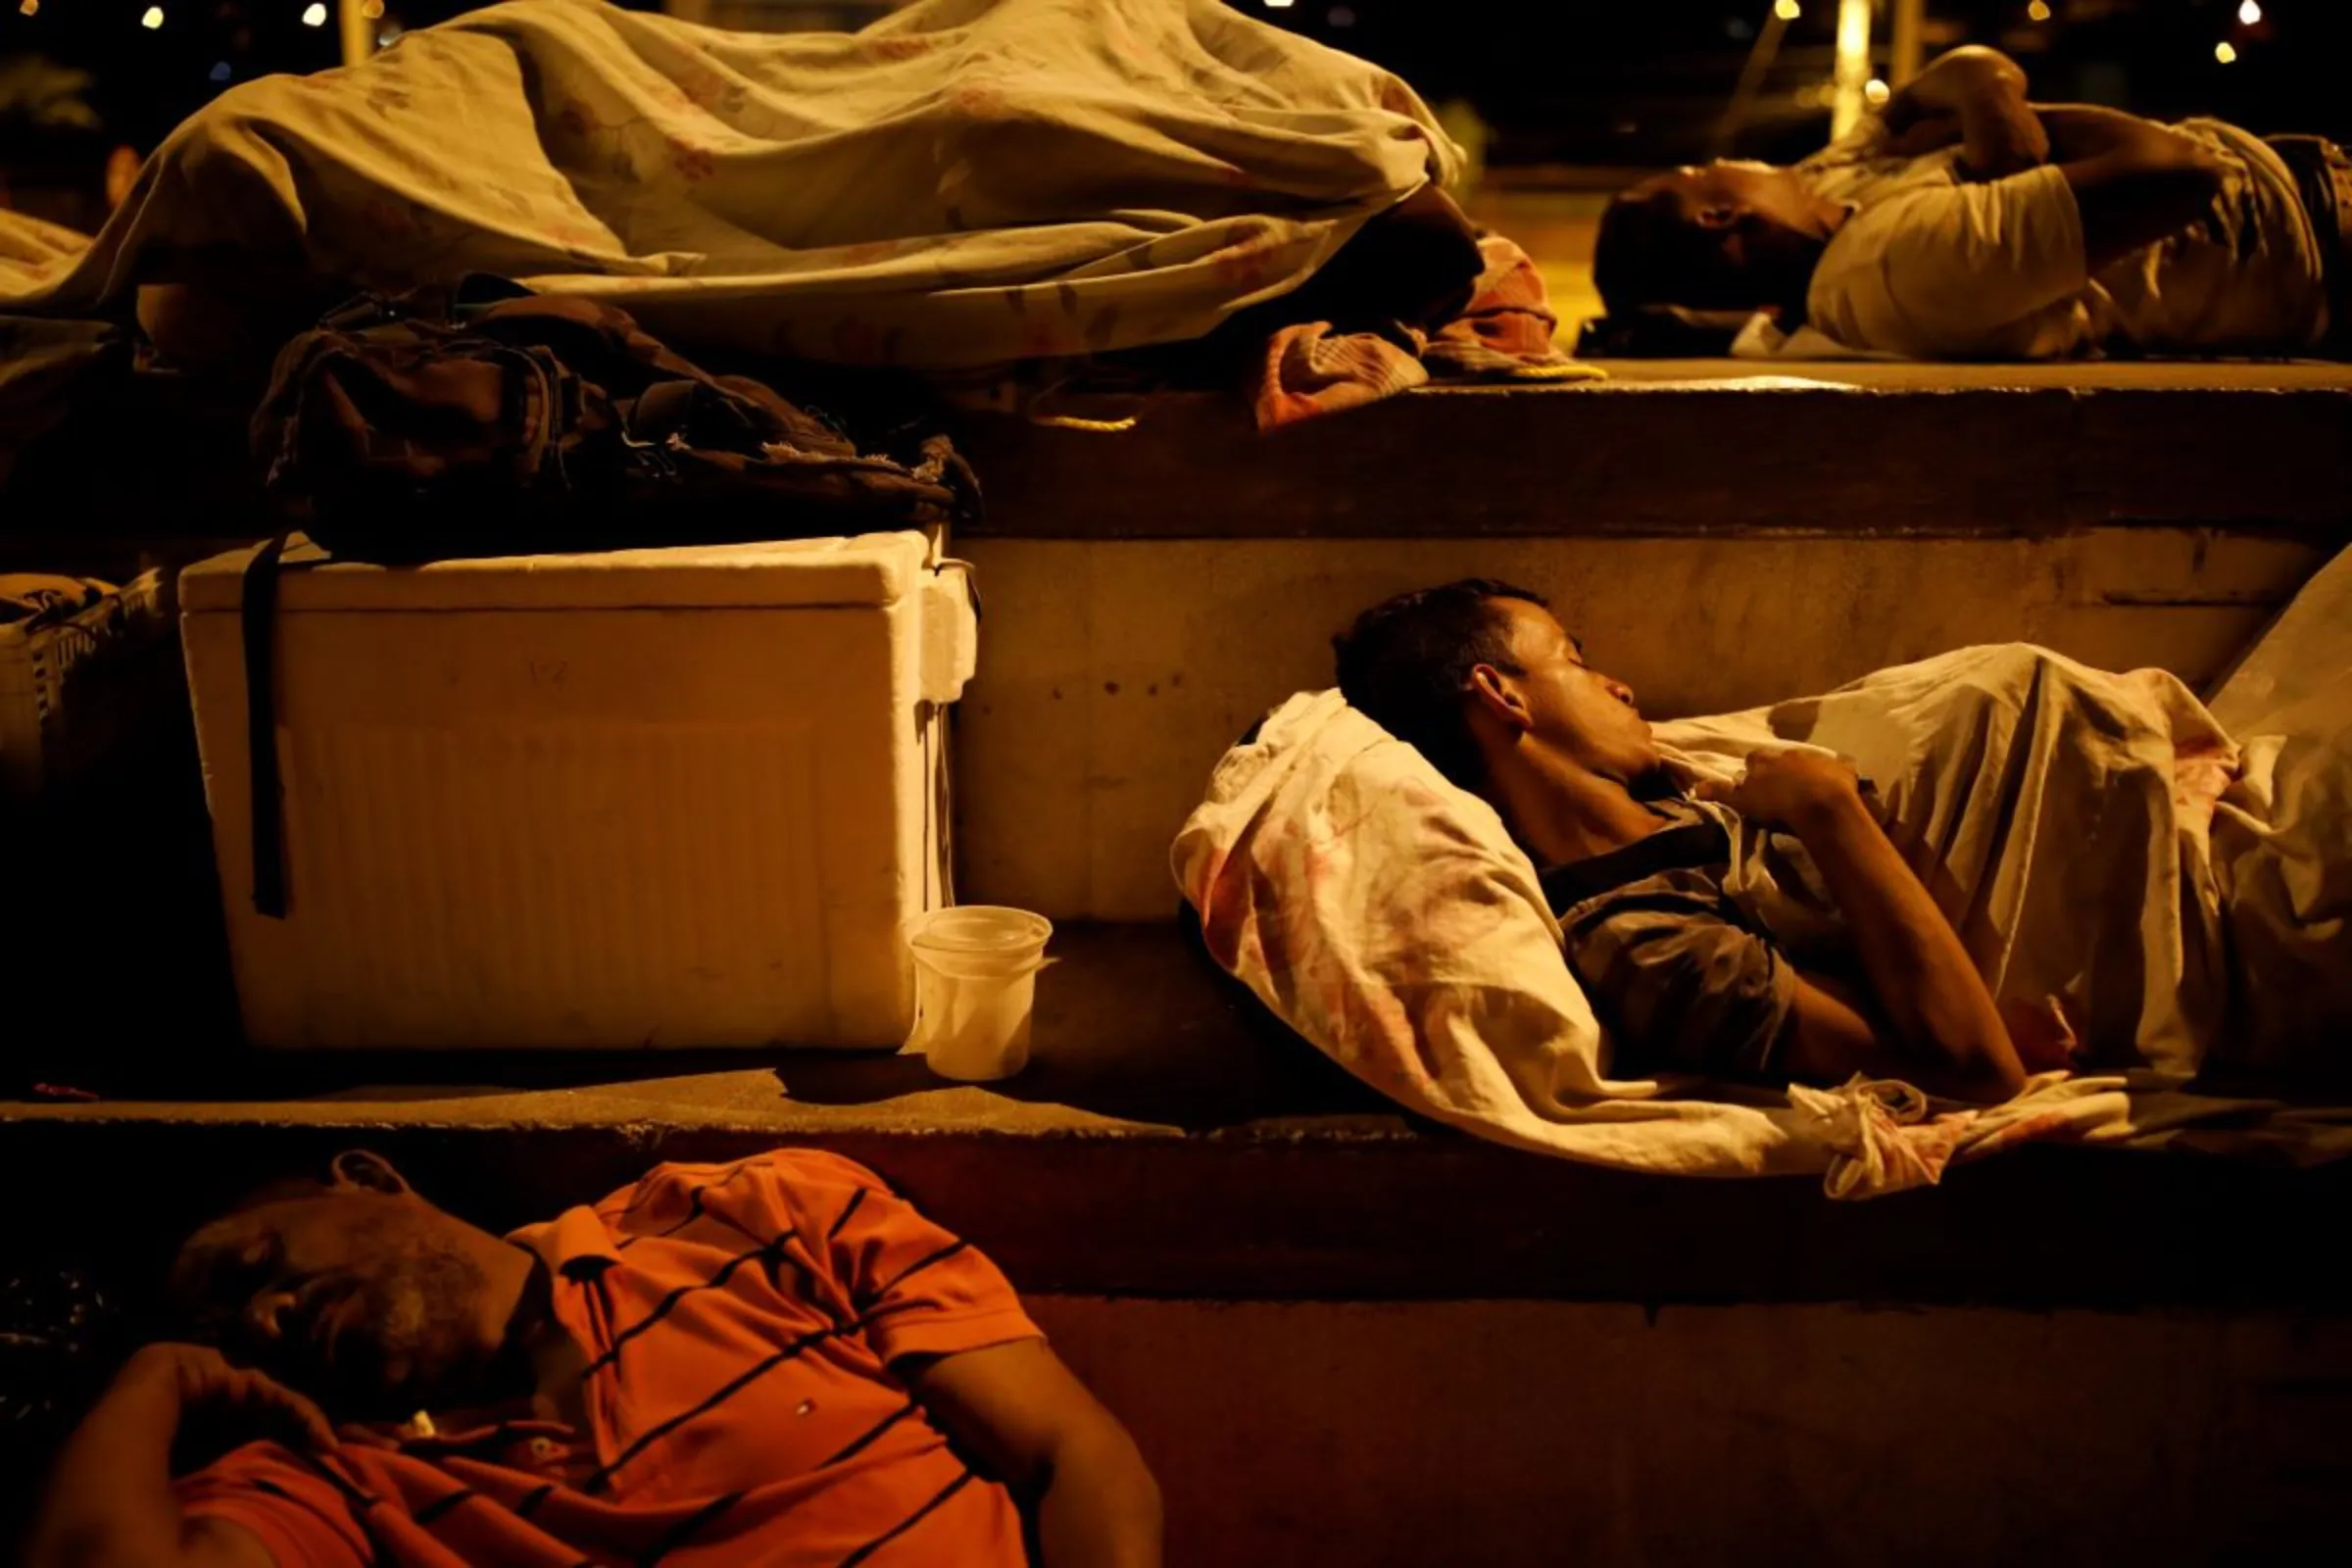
[[1030, 1420], [1974, 96], [1947, 1031], [2136, 182], [111, 1502]]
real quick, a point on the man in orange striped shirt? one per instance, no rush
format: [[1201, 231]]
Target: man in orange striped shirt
[[776, 1361]]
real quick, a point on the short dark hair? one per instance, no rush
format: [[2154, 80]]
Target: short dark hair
[[1405, 664], [1644, 254]]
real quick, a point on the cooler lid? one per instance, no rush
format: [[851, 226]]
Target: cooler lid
[[874, 569]]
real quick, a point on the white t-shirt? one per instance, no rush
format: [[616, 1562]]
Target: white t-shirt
[[1936, 267]]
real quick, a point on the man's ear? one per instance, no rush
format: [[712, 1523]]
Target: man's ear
[[1498, 696], [367, 1172]]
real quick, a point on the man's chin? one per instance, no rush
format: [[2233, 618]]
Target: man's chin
[[361, 1384]]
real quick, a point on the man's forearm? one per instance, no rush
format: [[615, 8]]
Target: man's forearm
[[1100, 1507], [2134, 181], [110, 1502], [2078, 132], [1920, 975]]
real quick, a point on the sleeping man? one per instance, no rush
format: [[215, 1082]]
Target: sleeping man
[[1966, 222], [1846, 965], [776, 1361]]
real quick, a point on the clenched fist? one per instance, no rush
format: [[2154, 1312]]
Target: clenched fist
[[1788, 788]]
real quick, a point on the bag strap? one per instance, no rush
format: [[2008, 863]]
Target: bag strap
[[258, 618]]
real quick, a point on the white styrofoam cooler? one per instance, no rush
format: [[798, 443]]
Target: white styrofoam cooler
[[649, 798]]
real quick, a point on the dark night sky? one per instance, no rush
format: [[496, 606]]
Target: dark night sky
[[1607, 81], [1644, 81]]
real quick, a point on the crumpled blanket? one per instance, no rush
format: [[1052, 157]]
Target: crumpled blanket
[[2283, 839], [1504, 334], [965, 183]]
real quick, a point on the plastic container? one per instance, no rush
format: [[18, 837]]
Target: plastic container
[[652, 798], [975, 988]]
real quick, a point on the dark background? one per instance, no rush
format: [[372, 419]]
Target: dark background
[[1644, 82], [1612, 82]]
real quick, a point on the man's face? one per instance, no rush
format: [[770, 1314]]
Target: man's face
[[370, 1301], [1758, 232], [1574, 708]]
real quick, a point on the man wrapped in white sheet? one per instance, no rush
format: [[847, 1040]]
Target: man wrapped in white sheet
[[963, 183], [2041, 881]]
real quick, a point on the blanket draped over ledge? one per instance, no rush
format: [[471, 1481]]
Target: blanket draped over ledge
[[965, 183]]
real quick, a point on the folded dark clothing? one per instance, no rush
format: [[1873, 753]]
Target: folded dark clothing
[[34, 596]]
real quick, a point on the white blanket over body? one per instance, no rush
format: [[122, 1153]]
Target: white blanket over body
[[2063, 815], [962, 183]]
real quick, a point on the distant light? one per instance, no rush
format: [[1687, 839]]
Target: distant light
[[1278, 4], [28, 8], [1340, 16], [219, 70], [315, 16], [153, 19], [2039, 11], [373, 10], [2251, 13], [1877, 91], [1787, 9], [2225, 52]]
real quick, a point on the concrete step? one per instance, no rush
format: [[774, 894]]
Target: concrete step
[[1710, 447], [1163, 1144]]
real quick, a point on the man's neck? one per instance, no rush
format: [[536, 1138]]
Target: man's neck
[[542, 1356], [1561, 813]]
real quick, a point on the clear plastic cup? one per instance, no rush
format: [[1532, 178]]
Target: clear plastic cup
[[975, 988]]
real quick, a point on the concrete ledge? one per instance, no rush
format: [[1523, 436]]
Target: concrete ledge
[[1670, 447], [1162, 1146], [1713, 447]]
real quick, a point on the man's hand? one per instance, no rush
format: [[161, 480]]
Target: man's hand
[[1788, 788], [111, 1502], [203, 1382], [1973, 98]]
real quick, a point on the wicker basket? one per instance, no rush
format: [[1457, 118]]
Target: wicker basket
[[72, 690]]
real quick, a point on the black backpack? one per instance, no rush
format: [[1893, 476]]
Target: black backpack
[[433, 426]]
